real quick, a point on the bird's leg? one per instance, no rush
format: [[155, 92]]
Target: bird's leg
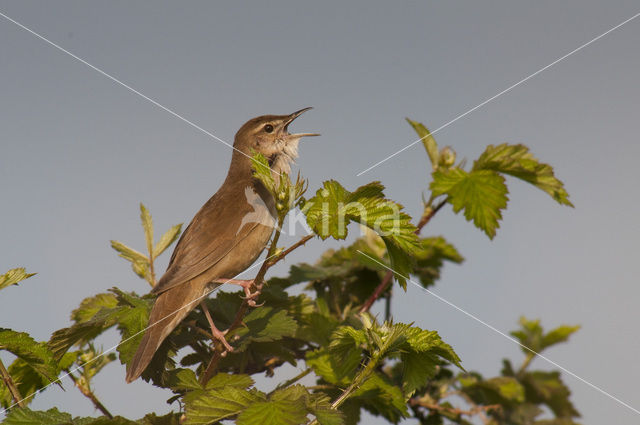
[[246, 285], [217, 334]]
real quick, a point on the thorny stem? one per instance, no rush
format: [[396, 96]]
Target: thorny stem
[[8, 381], [293, 380], [474, 410], [86, 391], [429, 212], [286, 252], [476, 407], [258, 282]]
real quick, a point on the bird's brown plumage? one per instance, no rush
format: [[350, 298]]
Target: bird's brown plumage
[[214, 245]]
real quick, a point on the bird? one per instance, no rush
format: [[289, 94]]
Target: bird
[[220, 243]]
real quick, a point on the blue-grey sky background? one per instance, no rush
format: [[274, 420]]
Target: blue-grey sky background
[[79, 152]]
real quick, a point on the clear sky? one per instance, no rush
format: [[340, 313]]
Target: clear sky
[[79, 152]]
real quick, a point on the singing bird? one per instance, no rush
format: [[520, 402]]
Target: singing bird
[[218, 244]]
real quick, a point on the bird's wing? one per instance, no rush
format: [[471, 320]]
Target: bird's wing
[[212, 234]]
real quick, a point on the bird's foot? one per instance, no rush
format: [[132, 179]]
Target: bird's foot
[[250, 297], [246, 285], [215, 332]]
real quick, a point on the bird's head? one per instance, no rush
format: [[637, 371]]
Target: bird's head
[[269, 135]]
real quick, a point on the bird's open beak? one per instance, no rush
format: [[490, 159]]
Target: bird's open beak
[[292, 117]]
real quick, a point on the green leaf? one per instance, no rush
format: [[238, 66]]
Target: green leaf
[[139, 261], [222, 380], [381, 397], [422, 341], [532, 335], [129, 253], [133, 319], [92, 361], [82, 332], [147, 224], [13, 276], [500, 390], [548, 388], [168, 419], [508, 388], [421, 355], [273, 412], [204, 407], [262, 171], [430, 259], [417, 369], [167, 239], [428, 141], [517, 161], [35, 354], [333, 208], [26, 416], [90, 306], [130, 314], [291, 406], [266, 324], [317, 328], [559, 334], [331, 367], [183, 379], [482, 195], [320, 406]]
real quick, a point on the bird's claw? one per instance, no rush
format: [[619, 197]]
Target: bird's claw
[[250, 297]]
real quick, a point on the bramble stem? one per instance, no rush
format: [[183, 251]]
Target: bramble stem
[[8, 381], [293, 380], [286, 252], [526, 362], [86, 391]]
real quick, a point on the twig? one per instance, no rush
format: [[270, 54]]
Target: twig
[[525, 363], [382, 286], [429, 213], [286, 252], [474, 410], [86, 391], [211, 367], [480, 413], [8, 381], [386, 280]]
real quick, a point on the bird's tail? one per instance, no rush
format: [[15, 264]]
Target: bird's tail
[[168, 311]]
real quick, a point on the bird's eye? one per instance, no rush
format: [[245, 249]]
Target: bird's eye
[[268, 128]]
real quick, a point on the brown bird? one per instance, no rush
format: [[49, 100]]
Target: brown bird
[[225, 237]]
